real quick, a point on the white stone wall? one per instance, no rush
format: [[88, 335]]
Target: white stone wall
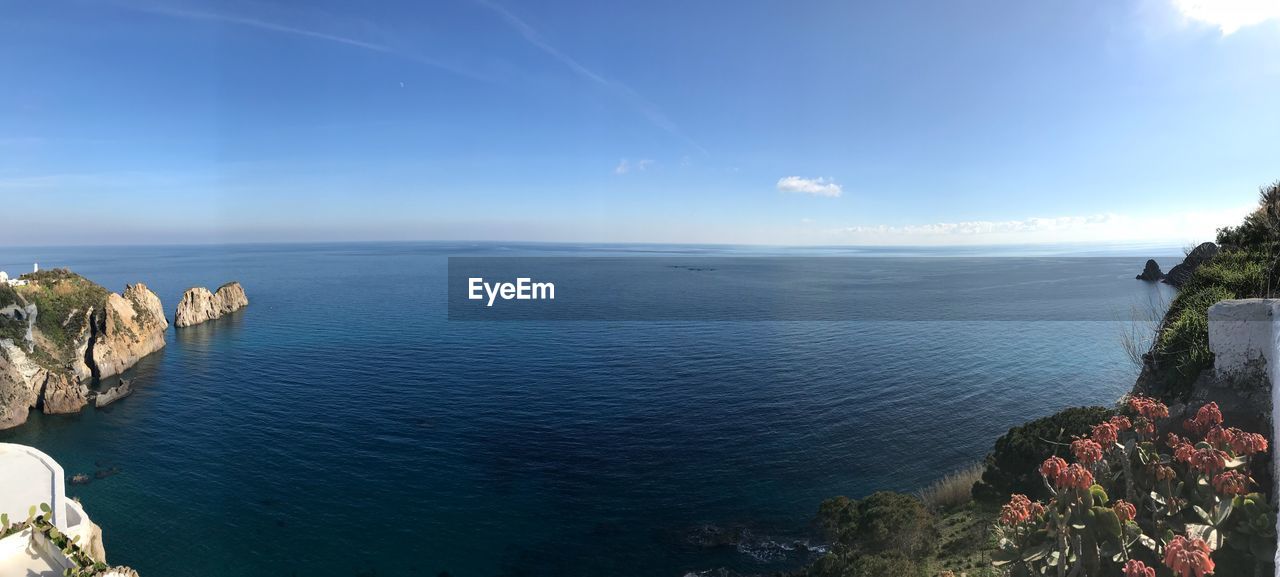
[[1245, 339]]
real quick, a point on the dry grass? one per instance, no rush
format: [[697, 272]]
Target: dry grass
[[1139, 331], [953, 490]]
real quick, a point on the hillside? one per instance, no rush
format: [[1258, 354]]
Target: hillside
[[60, 333]]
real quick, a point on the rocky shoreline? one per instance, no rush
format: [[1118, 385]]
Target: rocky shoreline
[[1179, 274], [61, 335]]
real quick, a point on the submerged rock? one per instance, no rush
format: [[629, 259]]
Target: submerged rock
[[113, 394], [1151, 272], [80, 479], [199, 305], [1198, 256]]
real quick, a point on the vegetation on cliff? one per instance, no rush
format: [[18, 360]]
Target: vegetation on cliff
[[1246, 267], [60, 333], [1010, 467], [1134, 503], [64, 300]]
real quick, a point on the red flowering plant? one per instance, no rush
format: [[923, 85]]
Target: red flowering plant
[[1182, 507]]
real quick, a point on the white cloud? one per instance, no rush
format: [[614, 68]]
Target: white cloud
[[1195, 226], [814, 186], [1229, 15], [625, 166]]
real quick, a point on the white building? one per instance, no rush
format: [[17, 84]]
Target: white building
[[30, 477], [5, 280]]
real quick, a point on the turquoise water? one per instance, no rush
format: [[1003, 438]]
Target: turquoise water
[[341, 425]]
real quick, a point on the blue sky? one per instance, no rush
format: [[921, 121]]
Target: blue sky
[[747, 122]]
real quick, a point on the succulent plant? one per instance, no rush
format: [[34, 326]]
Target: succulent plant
[[1184, 503]]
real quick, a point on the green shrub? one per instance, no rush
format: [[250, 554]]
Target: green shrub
[[1258, 231], [884, 523], [850, 564], [1246, 267], [1181, 349], [63, 298], [1011, 465]]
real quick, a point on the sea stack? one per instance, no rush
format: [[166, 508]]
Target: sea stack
[[199, 305], [1151, 272]]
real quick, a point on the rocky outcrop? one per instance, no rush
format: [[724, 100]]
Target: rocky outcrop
[[131, 328], [94, 547], [199, 305], [18, 394], [1198, 256], [112, 395], [62, 393], [84, 333], [1151, 272]]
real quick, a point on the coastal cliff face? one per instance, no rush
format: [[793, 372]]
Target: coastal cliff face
[[199, 305], [132, 328], [60, 332], [1180, 273]]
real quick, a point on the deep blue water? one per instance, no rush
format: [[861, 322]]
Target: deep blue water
[[341, 425]]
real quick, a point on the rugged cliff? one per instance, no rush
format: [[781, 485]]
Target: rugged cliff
[[60, 332], [1241, 265], [199, 305], [1181, 273]]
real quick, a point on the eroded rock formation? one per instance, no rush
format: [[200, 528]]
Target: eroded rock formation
[[1151, 272], [1198, 256], [132, 328], [69, 333], [199, 305]]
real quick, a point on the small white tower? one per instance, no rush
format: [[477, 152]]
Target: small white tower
[[35, 267]]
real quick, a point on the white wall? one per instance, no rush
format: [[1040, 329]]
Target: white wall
[[1245, 340]]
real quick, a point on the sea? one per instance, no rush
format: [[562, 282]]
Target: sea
[[344, 424]]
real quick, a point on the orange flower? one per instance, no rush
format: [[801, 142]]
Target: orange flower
[[1121, 422], [1188, 557], [1231, 483], [1019, 510], [1125, 511], [1183, 451], [1052, 468], [1149, 407], [1219, 437], [1136, 568], [1075, 477], [1105, 434], [1208, 460], [1086, 451], [1143, 426], [1206, 418], [1243, 443]]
